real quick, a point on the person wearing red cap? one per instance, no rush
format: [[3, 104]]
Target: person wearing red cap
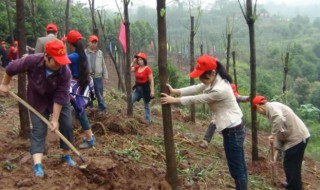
[[48, 93], [288, 134], [82, 89], [13, 51], [215, 90], [212, 126], [97, 69], [52, 32], [144, 86], [4, 54]]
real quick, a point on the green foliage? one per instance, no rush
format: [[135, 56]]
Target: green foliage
[[315, 94], [141, 35], [301, 89], [309, 112], [132, 153], [174, 78], [313, 148]]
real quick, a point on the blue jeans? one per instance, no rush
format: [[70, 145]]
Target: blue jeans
[[84, 121], [137, 95], [233, 139], [98, 89], [39, 130]]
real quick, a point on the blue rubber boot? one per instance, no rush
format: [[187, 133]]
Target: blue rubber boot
[[69, 160], [38, 170], [88, 143]]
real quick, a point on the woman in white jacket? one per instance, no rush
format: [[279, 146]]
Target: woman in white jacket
[[215, 90]]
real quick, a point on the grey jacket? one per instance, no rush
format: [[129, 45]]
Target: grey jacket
[[42, 41], [97, 65], [287, 127], [220, 98]]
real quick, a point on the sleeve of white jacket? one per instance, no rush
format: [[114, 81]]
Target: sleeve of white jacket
[[192, 90], [213, 96]]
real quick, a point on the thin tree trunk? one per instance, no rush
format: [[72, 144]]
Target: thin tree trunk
[[234, 69], [285, 72], [127, 58], [192, 34], [94, 23], [22, 91], [203, 105], [250, 22], [228, 51], [110, 54], [172, 174], [33, 20], [9, 22], [67, 16]]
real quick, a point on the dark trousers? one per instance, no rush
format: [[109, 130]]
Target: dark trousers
[[210, 132], [39, 130], [292, 162]]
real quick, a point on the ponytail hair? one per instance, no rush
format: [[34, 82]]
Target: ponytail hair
[[82, 66], [223, 72]]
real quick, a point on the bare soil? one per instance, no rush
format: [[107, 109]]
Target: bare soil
[[130, 155]]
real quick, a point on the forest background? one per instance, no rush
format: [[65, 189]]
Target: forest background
[[280, 29]]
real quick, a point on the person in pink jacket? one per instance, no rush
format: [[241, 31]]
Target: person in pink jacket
[[288, 134]]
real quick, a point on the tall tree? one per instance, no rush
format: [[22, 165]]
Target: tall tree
[[9, 22], [192, 34], [94, 23], [33, 19], [22, 91], [67, 16], [193, 30], [229, 30], [172, 174], [234, 69], [285, 71], [127, 59], [250, 15], [110, 54]]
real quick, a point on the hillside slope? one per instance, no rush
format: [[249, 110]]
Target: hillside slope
[[130, 155]]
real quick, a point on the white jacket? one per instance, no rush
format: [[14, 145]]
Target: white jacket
[[220, 98], [287, 127]]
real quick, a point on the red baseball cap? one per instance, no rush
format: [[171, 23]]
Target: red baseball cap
[[234, 88], [141, 55], [258, 100], [93, 38], [57, 50], [73, 36], [52, 27], [204, 63]]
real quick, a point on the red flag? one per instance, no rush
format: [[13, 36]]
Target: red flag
[[122, 37]]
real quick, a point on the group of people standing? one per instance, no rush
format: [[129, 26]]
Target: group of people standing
[[10, 54], [57, 80]]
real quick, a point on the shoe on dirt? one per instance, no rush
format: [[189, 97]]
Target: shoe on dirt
[[88, 143], [38, 170], [204, 144], [69, 160]]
